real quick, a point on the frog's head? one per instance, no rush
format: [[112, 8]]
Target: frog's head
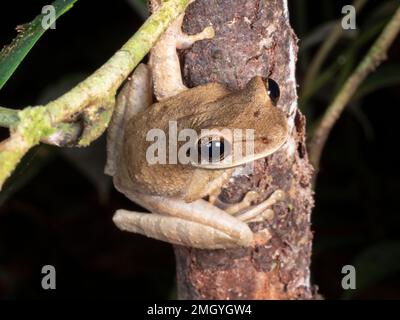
[[222, 122], [240, 127]]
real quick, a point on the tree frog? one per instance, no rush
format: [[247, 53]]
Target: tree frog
[[183, 197]]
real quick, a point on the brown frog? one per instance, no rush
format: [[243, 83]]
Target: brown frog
[[175, 192]]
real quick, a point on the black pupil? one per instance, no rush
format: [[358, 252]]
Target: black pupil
[[212, 151], [273, 91]]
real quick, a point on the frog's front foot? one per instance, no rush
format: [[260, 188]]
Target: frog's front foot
[[263, 210], [185, 41]]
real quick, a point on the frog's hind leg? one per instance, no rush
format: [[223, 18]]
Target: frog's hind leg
[[135, 95], [172, 230], [197, 224]]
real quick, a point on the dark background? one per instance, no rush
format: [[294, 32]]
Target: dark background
[[57, 208]]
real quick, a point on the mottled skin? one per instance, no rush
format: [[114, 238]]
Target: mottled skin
[[174, 193]]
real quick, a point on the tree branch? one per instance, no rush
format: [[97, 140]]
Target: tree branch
[[371, 61], [94, 97], [253, 38]]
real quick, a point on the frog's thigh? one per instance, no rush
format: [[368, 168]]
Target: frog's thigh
[[173, 230], [198, 224]]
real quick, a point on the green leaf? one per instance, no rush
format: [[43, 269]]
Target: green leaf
[[13, 54]]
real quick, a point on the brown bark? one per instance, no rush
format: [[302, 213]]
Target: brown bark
[[253, 37]]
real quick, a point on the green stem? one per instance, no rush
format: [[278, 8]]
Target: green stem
[[371, 61], [65, 133]]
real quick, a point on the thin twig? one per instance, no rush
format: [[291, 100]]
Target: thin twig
[[95, 92], [325, 49], [371, 61]]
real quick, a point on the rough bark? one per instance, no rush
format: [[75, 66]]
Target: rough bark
[[253, 37]]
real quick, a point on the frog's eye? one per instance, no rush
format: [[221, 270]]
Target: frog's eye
[[212, 149], [273, 91]]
